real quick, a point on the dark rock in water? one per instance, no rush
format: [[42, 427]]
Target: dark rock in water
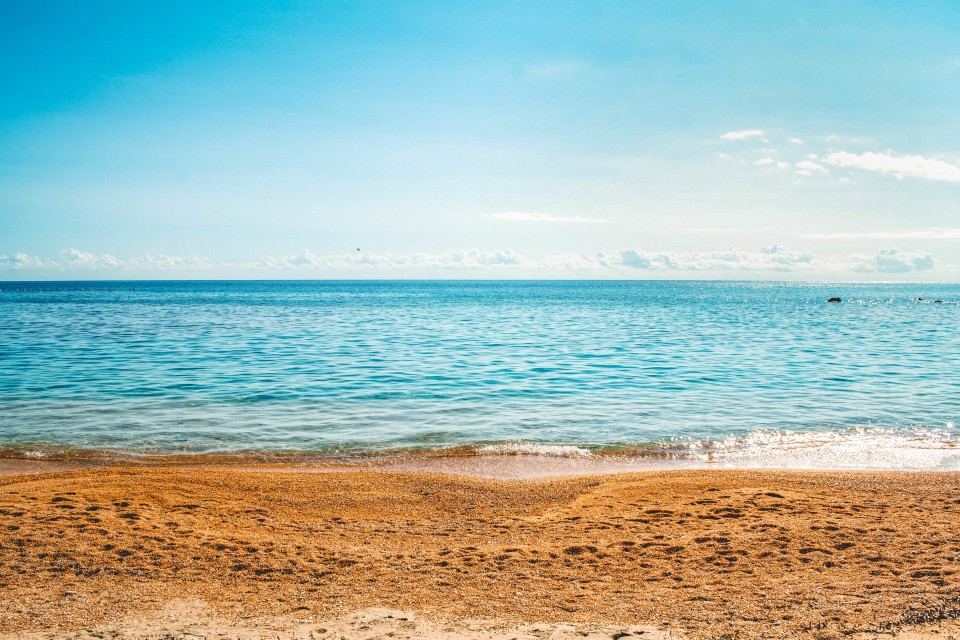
[[919, 299], [834, 300], [938, 302]]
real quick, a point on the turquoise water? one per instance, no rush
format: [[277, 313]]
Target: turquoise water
[[751, 374]]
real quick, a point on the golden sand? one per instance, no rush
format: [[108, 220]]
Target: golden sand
[[706, 553]]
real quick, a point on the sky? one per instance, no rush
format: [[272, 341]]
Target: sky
[[254, 139]]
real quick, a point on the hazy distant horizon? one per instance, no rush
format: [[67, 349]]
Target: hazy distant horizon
[[513, 280]]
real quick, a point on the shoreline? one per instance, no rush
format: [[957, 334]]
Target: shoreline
[[504, 461], [698, 553], [466, 462]]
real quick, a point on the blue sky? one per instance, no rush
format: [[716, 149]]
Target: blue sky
[[540, 139]]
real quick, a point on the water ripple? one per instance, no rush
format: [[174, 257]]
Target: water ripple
[[314, 366]]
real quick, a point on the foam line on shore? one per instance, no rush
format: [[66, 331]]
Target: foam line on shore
[[859, 448]]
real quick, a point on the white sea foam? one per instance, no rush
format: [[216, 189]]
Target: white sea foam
[[536, 448], [919, 449], [860, 448]]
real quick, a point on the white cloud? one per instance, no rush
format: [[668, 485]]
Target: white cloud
[[76, 259], [892, 261], [743, 135], [305, 259], [923, 234], [896, 165], [773, 258], [624, 263], [806, 163], [637, 259], [770, 162], [162, 262], [20, 261], [523, 216], [572, 261], [809, 167], [454, 260]]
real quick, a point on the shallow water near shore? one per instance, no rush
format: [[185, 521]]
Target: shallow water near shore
[[735, 374]]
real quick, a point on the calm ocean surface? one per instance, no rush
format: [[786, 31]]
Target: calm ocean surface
[[743, 374]]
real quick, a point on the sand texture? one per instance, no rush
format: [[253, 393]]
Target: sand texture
[[700, 554], [195, 620]]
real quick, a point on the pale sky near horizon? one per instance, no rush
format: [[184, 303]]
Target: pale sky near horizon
[[249, 139]]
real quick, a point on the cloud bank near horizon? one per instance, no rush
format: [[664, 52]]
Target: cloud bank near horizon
[[623, 263]]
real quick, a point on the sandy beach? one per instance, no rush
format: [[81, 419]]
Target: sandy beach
[[692, 554]]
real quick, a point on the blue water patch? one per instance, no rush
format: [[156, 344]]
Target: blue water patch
[[358, 366]]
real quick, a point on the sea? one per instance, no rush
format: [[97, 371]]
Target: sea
[[735, 374]]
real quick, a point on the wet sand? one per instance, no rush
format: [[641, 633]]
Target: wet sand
[[700, 554], [460, 461]]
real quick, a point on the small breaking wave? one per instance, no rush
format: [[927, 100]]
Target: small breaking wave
[[536, 449], [856, 448], [864, 448]]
